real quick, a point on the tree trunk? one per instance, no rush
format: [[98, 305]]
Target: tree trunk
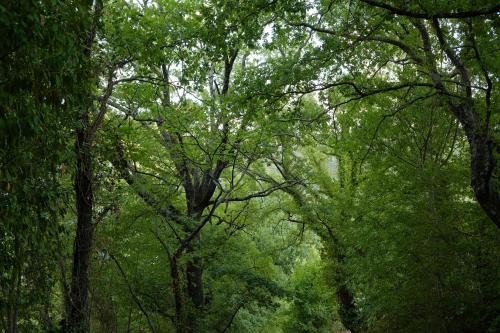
[[483, 165], [180, 323], [78, 314], [347, 311], [77, 318], [12, 319], [483, 148], [194, 266], [347, 307], [194, 285], [194, 274]]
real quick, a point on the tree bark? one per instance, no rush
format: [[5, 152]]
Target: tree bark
[[194, 273], [483, 164], [347, 311], [78, 314], [77, 320], [180, 323], [483, 148]]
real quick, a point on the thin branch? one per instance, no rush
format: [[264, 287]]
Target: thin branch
[[485, 73], [123, 167], [235, 312], [261, 194], [359, 91], [103, 104], [452, 147], [407, 49], [384, 117], [185, 242], [453, 57], [132, 293]]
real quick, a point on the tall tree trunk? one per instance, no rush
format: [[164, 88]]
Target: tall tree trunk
[[77, 318], [194, 276], [483, 151], [12, 316], [78, 314], [483, 164], [347, 310], [180, 322]]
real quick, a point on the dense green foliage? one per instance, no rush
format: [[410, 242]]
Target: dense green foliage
[[41, 65], [249, 166]]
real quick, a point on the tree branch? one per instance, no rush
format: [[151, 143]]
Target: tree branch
[[123, 167], [458, 14], [261, 194], [132, 293]]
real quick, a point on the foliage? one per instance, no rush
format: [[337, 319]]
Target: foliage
[[41, 69], [250, 166]]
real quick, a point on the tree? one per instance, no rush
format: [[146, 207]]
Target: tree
[[401, 218], [89, 118], [207, 142], [414, 52], [41, 67], [249, 166]]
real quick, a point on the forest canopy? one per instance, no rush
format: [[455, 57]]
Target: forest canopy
[[274, 166]]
